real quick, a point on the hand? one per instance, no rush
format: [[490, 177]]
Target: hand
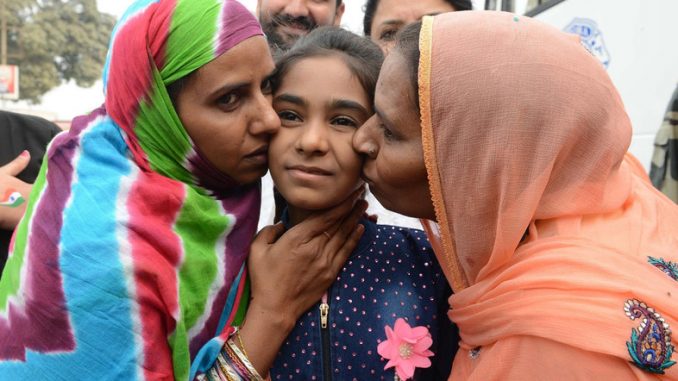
[[10, 216], [291, 271]]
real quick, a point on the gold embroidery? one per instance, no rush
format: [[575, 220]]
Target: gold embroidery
[[452, 267]]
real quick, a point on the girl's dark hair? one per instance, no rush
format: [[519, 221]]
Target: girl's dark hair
[[362, 57], [370, 8], [407, 45]]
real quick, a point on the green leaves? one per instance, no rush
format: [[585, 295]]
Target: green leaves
[[54, 41]]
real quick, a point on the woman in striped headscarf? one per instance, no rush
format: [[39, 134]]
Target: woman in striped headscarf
[[130, 261]]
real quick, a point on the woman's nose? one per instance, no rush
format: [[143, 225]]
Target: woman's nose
[[266, 119], [363, 139]]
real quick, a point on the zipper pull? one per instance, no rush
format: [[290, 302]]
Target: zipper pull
[[324, 312]]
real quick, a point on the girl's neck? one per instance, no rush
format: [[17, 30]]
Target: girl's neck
[[297, 215]]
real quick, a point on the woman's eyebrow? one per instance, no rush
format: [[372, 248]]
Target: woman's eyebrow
[[227, 88], [381, 116], [392, 22]]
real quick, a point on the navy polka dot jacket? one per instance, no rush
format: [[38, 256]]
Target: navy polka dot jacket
[[392, 274]]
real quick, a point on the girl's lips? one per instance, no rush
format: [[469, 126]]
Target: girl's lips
[[307, 177], [310, 170]]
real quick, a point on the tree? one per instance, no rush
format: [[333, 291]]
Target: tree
[[53, 41]]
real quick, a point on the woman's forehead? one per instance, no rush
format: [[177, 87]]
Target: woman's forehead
[[394, 97]]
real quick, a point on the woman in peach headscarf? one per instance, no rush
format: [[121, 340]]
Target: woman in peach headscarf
[[561, 254]]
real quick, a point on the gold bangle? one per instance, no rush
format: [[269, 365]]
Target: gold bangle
[[242, 345], [245, 361]]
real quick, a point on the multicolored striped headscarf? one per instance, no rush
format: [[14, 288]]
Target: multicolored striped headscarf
[[129, 263]]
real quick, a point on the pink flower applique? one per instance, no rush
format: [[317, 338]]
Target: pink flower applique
[[406, 348]]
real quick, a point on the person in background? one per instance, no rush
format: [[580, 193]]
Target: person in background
[[23, 141], [384, 18], [664, 168], [323, 91], [285, 21], [131, 260], [562, 256]]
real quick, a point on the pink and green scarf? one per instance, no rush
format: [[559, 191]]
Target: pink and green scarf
[[130, 261]]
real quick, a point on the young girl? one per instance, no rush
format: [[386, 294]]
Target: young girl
[[323, 91]]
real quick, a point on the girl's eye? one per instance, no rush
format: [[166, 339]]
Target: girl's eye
[[267, 86], [228, 100], [344, 121], [388, 35], [289, 116]]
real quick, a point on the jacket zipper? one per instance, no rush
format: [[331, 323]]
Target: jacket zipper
[[325, 337]]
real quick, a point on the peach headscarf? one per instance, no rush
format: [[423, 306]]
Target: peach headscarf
[[551, 234]]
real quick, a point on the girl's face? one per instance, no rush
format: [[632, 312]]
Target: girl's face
[[226, 110], [320, 104]]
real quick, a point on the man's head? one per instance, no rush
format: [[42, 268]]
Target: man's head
[[284, 21]]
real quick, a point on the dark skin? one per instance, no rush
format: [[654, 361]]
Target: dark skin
[[226, 109], [391, 141], [320, 245]]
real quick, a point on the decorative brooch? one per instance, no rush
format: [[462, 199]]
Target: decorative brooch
[[406, 348], [650, 346]]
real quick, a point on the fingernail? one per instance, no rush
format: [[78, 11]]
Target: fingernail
[[363, 205], [25, 153]]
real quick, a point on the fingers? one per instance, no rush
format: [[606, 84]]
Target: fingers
[[342, 231], [269, 234], [345, 251], [260, 247], [328, 221], [16, 166], [345, 231]]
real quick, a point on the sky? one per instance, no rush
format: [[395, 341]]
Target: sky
[[353, 17], [69, 100]]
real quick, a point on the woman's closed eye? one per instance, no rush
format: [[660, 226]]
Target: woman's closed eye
[[388, 34], [388, 134], [228, 101], [267, 86]]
